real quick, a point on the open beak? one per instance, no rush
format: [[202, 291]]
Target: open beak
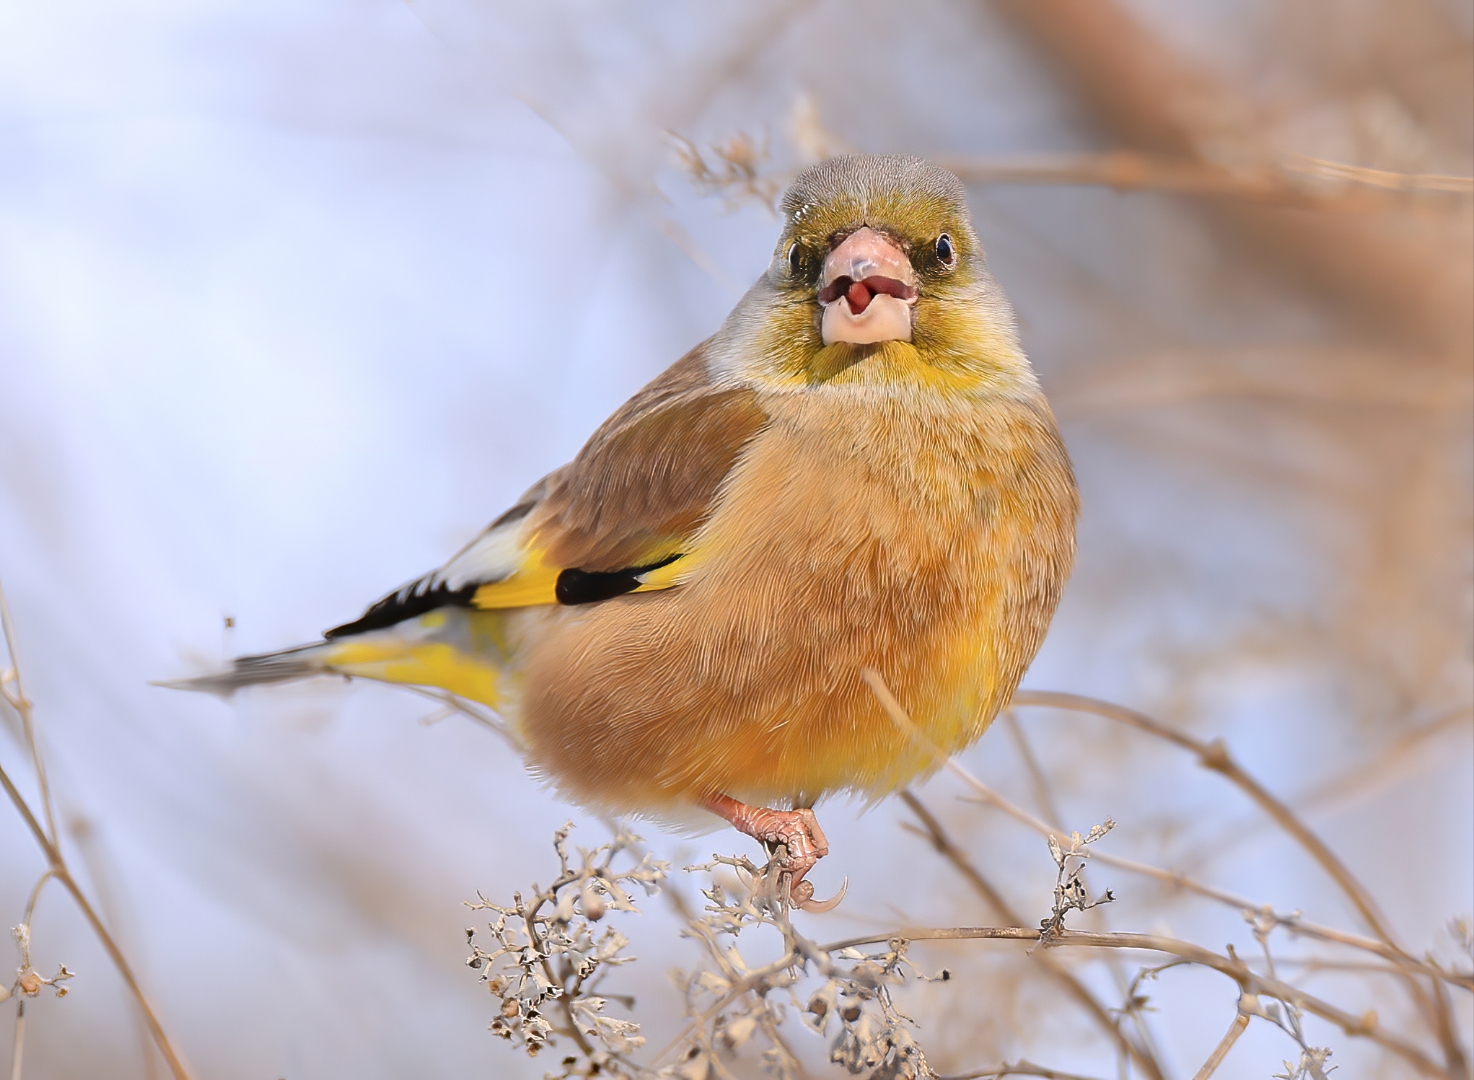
[[867, 291]]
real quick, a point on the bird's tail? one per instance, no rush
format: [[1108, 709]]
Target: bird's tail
[[466, 652], [283, 666]]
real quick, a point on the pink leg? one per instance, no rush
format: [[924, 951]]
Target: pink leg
[[794, 840]]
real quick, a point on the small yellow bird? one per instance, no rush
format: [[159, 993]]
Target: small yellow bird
[[858, 470]]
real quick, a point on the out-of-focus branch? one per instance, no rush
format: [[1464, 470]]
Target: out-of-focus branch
[[1300, 181], [1214, 755], [1220, 1051], [14, 693], [1016, 1068], [1250, 982], [1436, 1009], [56, 862], [62, 874], [1294, 923], [934, 833], [1152, 102], [1344, 788]]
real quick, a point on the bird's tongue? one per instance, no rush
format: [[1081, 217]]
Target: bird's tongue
[[860, 293]]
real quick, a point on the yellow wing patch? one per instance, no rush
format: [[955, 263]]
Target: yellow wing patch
[[535, 583], [531, 584]]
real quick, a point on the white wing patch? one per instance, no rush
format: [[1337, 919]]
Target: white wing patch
[[492, 556]]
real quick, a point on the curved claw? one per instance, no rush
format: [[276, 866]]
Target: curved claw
[[802, 897]]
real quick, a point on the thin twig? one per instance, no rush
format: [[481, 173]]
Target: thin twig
[[56, 863], [1354, 1026], [63, 875], [945, 846], [1220, 1051], [22, 705], [1045, 801], [1214, 755], [1250, 982], [1295, 180], [1043, 796], [1294, 923], [18, 1049], [471, 710], [1016, 1068]]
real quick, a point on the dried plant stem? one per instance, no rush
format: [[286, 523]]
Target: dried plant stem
[[1152, 101], [1220, 1051], [949, 850], [46, 875], [1044, 800], [1344, 789], [56, 865], [565, 1005], [58, 870], [472, 711], [1214, 755], [1016, 1068], [18, 1050], [15, 694], [1249, 981], [1293, 923], [1043, 795], [1294, 181]]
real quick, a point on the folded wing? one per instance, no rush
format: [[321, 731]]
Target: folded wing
[[621, 517]]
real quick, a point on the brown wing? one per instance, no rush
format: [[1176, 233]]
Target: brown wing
[[631, 501], [628, 504], [647, 479]]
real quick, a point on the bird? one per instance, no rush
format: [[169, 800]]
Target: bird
[[857, 472]]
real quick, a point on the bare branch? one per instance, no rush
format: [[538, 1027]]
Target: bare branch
[[1366, 1026], [1290, 181], [1214, 755], [57, 866], [945, 846], [1220, 1051], [1017, 1068], [1294, 922]]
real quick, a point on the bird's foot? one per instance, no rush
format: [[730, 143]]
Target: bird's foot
[[794, 843]]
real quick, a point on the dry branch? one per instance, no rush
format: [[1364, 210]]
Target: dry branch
[[1296, 181], [944, 845], [1250, 982], [1016, 1068], [56, 865], [1215, 1059], [1153, 102], [1214, 755]]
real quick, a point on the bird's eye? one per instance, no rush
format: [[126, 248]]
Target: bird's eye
[[946, 252], [795, 260]]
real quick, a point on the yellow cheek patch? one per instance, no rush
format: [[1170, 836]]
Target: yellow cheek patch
[[426, 664]]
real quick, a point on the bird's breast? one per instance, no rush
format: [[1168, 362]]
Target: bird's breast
[[927, 540]]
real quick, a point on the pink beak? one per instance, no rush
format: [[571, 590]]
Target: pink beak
[[868, 291]]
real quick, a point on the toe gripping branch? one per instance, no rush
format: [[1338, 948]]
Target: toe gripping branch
[[794, 843]]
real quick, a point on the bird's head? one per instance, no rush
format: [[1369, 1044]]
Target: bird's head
[[878, 276]]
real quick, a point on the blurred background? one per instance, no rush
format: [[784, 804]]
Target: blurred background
[[295, 297]]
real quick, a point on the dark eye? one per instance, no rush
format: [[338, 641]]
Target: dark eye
[[945, 252], [795, 260]]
